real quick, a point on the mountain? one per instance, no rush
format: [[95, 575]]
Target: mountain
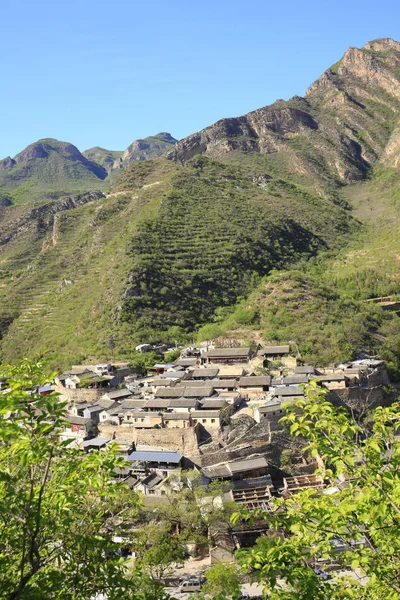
[[347, 121], [101, 156], [48, 167], [272, 222], [149, 147]]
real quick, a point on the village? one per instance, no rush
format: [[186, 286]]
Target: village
[[215, 412]]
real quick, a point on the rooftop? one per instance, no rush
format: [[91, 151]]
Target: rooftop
[[159, 456], [198, 373], [224, 352], [289, 391], [176, 416], [76, 420], [205, 414], [96, 442], [251, 381], [270, 350], [117, 394]]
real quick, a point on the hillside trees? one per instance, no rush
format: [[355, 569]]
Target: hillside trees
[[355, 521], [58, 507]]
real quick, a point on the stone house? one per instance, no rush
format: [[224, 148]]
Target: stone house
[[227, 356], [161, 462], [78, 428], [210, 419], [175, 420], [254, 385], [183, 405]]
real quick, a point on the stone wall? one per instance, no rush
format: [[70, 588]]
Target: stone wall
[[362, 399], [184, 441], [80, 395]]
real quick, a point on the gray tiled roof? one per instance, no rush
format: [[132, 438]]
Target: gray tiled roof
[[270, 350], [156, 456], [205, 414], [224, 352], [177, 416], [199, 373], [76, 420], [289, 391], [262, 380]]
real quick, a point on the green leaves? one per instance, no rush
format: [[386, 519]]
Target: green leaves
[[57, 505], [357, 526]]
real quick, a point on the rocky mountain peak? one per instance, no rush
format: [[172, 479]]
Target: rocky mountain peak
[[152, 146], [382, 45]]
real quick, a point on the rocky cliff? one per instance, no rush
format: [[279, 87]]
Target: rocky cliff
[[144, 149], [340, 129]]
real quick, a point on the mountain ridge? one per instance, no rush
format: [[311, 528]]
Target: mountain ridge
[[182, 241]]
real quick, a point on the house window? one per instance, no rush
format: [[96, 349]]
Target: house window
[[204, 420], [212, 420], [142, 420]]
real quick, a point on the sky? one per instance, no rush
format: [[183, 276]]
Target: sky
[[102, 73]]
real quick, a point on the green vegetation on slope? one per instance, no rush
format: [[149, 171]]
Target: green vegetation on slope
[[218, 231], [103, 157], [320, 304], [50, 169]]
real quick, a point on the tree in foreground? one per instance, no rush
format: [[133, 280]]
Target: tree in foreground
[[353, 521], [222, 582], [59, 508]]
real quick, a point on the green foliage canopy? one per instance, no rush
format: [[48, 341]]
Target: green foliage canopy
[[359, 510]]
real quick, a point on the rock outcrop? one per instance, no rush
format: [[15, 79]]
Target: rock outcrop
[[339, 130]]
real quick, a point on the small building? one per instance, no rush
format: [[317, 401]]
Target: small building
[[213, 403], [76, 428], [117, 395], [230, 372], [107, 412], [254, 385], [210, 419], [162, 382], [178, 420], [227, 355], [244, 468], [185, 391], [183, 405], [231, 397], [151, 485], [205, 373], [332, 381], [141, 419], [172, 376], [274, 353], [160, 368], [289, 380], [288, 393], [291, 485], [156, 404], [93, 413], [187, 362], [224, 384], [273, 408], [96, 443], [253, 493], [304, 370], [159, 461], [135, 404]]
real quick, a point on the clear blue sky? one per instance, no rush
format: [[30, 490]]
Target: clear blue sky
[[106, 73]]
